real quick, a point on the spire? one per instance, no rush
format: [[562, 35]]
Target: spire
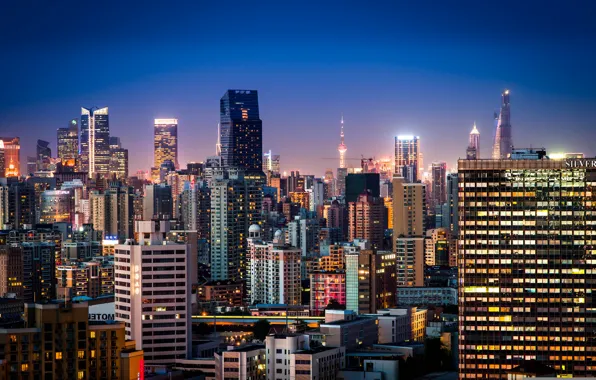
[[218, 144], [474, 130]]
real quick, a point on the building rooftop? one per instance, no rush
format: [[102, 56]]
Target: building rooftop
[[316, 350], [247, 348]]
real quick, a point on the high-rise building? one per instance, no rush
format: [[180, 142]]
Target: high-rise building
[[165, 144], [303, 233], [440, 247], [44, 154], [325, 287], [39, 271], [356, 183], [157, 202], [526, 265], [195, 209], [12, 156], [473, 151], [235, 205], [274, 271], [370, 281], [342, 148], [85, 279], [11, 272], [407, 157], [4, 202], [366, 219], [503, 138], [95, 141], [21, 205], [61, 341], [409, 213], [112, 212], [31, 165], [162, 329], [118, 159], [2, 163], [438, 194], [68, 143], [271, 163], [57, 206], [340, 183], [452, 202], [241, 130]]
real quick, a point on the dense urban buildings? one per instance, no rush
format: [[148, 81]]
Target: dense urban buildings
[[525, 265]]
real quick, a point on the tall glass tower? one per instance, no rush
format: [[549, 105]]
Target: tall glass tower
[[241, 130], [68, 143], [503, 139], [95, 141], [407, 157], [165, 144]]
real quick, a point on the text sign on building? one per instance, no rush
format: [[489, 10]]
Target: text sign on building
[[102, 312], [580, 163]]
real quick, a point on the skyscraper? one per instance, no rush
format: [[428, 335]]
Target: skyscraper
[[409, 212], [473, 151], [526, 266], [241, 130], [165, 144], [95, 141], [162, 329], [118, 159], [439, 184], [366, 219], [158, 202], [112, 212], [503, 138], [356, 183], [407, 157], [44, 154], [68, 143], [2, 166], [12, 156], [342, 148]]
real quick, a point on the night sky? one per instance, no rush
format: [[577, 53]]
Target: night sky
[[418, 67]]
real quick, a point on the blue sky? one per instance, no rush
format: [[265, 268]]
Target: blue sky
[[427, 68]]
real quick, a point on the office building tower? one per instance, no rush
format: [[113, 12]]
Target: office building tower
[[39, 271], [165, 144], [118, 160], [57, 206], [503, 137], [2, 163], [162, 330], [340, 183], [235, 205], [157, 202], [11, 270], [438, 193], [408, 157], [370, 281], [409, 213], [21, 205], [473, 151], [326, 287], [62, 341], [366, 219], [271, 163], [440, 247], [112, 212], [195, 209], [337, 217], [44, 154], [303, 233], [95, 141], [12, 156], [274, 270], [452, 203], [342, 148], [4, 202], [68, 143], [241, 130], [526, 265], [359, 182], [31, 165]]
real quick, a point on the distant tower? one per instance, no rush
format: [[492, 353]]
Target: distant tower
[[503, 139], [342, 148], [218, 144], [473, 151]]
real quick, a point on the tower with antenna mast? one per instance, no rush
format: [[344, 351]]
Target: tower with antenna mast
[[342, 148]]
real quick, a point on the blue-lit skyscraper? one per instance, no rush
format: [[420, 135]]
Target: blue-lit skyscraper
[[241, 130], [95, 141]]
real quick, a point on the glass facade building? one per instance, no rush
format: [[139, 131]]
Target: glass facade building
[[68, 143], [241, 130], [95, 141], [165, 142], [407, 157], [527, 266]]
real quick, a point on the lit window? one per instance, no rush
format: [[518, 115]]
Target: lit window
[[13, 339], [92, 334], [81, 355], [58, 355], [24, 367], [92, 354], [81, 375]]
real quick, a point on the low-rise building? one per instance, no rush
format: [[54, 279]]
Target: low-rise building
[[220, 294], [352, 332], [417, 319], [424, 296], [247, 362], [326, 287]]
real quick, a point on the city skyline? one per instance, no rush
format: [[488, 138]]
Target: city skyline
[[383, 75]]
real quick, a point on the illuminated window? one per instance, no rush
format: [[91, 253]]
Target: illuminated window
[[92, 354], [92, 334], [24, 367], [13, 339], [81, 375], [81, 355], [58, 355]]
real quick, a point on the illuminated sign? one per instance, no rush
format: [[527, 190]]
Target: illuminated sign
[[580, 163]]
